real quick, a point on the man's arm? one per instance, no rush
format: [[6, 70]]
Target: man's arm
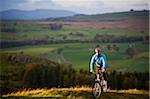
[[92, 63], [104, 64]]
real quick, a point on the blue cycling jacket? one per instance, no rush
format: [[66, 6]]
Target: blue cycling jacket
[[99, 60]]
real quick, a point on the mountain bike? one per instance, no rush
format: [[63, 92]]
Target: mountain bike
[[99, 85]]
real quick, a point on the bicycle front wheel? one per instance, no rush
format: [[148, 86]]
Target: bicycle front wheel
[[96, 90]]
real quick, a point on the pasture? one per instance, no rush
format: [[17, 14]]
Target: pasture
[[33, 55], [79, 54], [70, 31], [127, 24]]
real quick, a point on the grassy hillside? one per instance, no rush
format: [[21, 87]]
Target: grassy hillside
[[80, 93], [32, 31], [14, 69], [20, 71], [33, 55], [79, 54], [108, 16], [82, 28]]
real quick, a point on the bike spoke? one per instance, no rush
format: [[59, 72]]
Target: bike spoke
[[97, 90]]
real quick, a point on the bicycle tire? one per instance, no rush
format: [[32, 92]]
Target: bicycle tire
[[95, 94]]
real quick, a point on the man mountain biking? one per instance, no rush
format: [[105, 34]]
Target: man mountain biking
[[99, 60]]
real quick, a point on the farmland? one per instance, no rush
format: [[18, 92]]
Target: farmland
[[125, 24], [71, 30], [79, 55], [36, 38], [44, 53]]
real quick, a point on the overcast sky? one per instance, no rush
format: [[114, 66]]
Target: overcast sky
[[79, 6]]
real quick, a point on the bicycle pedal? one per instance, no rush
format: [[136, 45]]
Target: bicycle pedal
[[97, 80]]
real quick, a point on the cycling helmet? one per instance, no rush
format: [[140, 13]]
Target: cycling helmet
[[98, 49]]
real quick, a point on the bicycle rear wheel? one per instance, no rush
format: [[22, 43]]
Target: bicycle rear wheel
[[96, 90], [104, 85]]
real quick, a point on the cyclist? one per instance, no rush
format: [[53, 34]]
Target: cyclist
[[99, 60]]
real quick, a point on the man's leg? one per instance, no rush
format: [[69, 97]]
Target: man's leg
[[97, 72], [104, 75], [105, 82]]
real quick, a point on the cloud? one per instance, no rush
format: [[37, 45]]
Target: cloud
[[141, 4], [124, 5], [10, 4], [79, 3], [34, 0], [80, 6], [37, 4], [38, 1]]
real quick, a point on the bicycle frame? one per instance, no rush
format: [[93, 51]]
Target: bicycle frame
[[97, 87]]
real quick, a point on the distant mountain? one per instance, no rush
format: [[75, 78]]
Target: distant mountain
[[106, 17], [34, 14]]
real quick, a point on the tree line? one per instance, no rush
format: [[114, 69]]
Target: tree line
[[115, 38], [97, 39], [42, 73]]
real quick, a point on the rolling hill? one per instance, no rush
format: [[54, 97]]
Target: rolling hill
[[34, 14], [107, 16], [37, 57]]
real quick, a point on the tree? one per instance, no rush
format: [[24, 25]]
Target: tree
[[59, 51], [115, 47], [109, 47], [97, 46], [131, 51], [11, 30], [56, 26], [131, 10], [64, 37]]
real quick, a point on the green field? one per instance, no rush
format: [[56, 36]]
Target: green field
[[32, 31], [79, 54], [33, 55], [109, 16]]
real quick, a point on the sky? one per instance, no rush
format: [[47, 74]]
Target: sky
[[78, 6]]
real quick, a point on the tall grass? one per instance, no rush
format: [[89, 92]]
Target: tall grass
[[70, 92]]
